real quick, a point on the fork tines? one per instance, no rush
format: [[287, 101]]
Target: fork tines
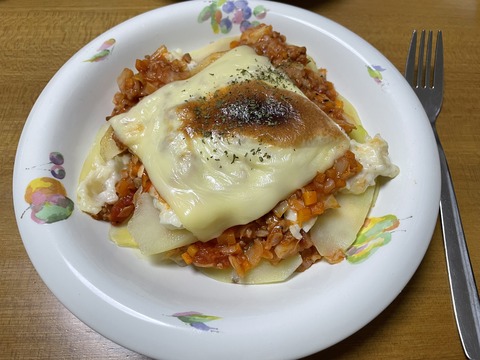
[[424, 77]]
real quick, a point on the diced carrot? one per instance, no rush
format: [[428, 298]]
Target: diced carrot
[[309, 197], [123, 186], [192, 250], [187, 258], [135, 168], [304, 214]]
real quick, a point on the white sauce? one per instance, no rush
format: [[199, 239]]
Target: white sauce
[[167, 216], [98, 187], [373, 155]]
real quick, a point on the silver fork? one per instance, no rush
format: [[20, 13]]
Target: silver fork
[[464, 293]]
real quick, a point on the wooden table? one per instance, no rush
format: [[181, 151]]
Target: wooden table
[[37, 37]]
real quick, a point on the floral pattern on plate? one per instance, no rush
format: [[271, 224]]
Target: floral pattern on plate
[[103, 51], [225, 14], [47, 196], [197, 320], [376, 232]]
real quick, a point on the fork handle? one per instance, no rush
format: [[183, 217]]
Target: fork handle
[[464, 292]]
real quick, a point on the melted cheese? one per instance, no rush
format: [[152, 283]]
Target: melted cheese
[[373, 155], [101, 171], [215, 162]]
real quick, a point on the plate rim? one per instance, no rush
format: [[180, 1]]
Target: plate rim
[[17, 190]]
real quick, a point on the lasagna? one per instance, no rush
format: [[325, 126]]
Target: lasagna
[[237, 158]]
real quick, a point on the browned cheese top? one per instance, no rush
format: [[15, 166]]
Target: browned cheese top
[[258, 110]]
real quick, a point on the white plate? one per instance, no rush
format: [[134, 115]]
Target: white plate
[[149, 307]]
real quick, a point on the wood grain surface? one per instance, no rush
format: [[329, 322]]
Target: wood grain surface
[[38, 36]]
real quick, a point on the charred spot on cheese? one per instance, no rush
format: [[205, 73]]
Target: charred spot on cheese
[[255, 109]]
